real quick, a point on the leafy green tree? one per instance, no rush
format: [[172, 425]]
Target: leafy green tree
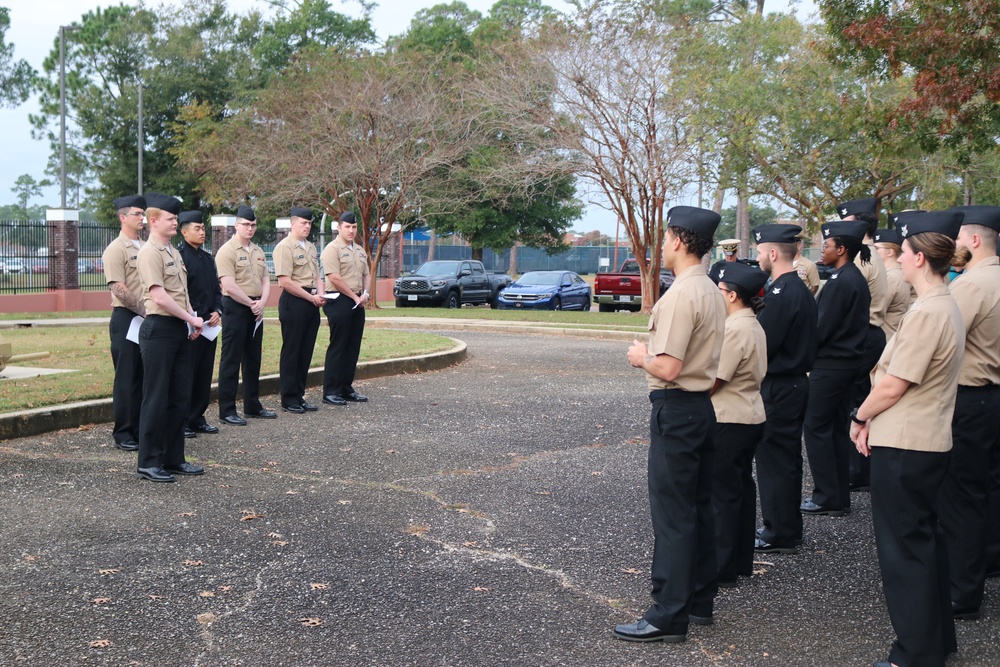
[[759, 215], [540, 210], [198, 53], [15, 76], [947, 51], [26, 188]]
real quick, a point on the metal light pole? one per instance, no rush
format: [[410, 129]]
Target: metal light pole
[[139, 148], [62, 111]]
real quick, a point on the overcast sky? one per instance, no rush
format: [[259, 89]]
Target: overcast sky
[[35, 25]]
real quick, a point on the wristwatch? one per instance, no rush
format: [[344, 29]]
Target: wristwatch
[[854, 417]]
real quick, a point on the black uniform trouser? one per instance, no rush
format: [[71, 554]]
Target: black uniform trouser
[[734, 498], [912, 554], [347, 326], [682, 440], [779, 458], [827, 435], [166, 358], [874, 345], [299, 326], [202, 366], [241, 350], [127, 392], [993, 519], [964, 496]]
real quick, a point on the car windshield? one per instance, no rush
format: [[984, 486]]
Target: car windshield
[[436, 269], [539, 278]]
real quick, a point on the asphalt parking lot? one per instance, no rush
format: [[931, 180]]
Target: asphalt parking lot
[[493, 513]]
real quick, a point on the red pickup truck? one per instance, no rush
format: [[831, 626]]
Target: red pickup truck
[[623, 290]]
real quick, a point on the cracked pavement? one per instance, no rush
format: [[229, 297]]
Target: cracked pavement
[[494, 513]]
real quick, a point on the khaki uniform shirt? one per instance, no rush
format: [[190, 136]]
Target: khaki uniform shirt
[[899, 299], [742, 367], [348, 262], [297, 262], [120, 261], [688, 323], [878, 285], [808, 273], [247, 267], [977, 292], [163, 266], [926, 351]]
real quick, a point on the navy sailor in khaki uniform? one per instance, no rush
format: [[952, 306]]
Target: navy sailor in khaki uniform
[[296, 265], [122, 274], [164, 341], [905, 427], [681, 363]]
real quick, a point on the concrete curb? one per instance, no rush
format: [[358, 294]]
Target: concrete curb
[[499, 327], [71, 415]]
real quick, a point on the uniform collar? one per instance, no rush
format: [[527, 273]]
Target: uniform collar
[[741, 313], [989, 261], [697, 269]]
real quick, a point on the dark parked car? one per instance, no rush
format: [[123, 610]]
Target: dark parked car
[[546, 290], [84, 266], [450, 284]]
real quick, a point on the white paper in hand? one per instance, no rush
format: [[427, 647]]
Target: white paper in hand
[[133, 329]]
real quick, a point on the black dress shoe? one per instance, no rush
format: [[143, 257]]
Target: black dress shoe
[[809, 507], [186, 469], [861, 488], [263, 414], [309, 407], [233, 420], [355, 397], [294, 409], [333, 399], [701, 620], [727, 584], [796, 542], [963, 613], [155, 475], [762, 547], [188, 433], [128, 446], [206, 428], [642, 631]]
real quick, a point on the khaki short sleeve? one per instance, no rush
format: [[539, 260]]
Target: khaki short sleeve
[[284, 264], [913, 347], [733, 352], [673, 332], [150, 267], [331, 259], [225, 261]]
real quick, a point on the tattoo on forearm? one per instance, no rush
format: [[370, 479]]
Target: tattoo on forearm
[[128, 299], [647, 360]]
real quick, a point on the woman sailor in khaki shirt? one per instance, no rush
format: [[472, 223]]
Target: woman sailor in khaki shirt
[[905, 426], [888, 245], [739, 415]]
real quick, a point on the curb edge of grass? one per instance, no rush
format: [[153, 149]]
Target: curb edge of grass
[[23, 423]]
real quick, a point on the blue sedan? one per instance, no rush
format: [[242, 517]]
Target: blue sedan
[[546, 290]]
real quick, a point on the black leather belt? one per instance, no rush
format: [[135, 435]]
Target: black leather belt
[[660, 394]]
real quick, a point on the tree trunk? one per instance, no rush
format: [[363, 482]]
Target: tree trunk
[[742, 224], [720, 194], [760, 7], [477, 254], [432, 245], [512, 270]]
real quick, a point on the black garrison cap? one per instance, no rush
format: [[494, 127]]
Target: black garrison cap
[[246, 212], [164, 202], [738, 273], [776, 233], [189, 216], [299, 212], [348, 217], [698, 220], [987, 216], [895, 217], [852, 231], [131, 201], [857, 206], [888, 236], [942, 222]]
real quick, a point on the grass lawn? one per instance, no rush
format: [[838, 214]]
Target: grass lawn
[[85, 349]]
